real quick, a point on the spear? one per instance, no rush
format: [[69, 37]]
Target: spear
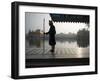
[[44, 36]]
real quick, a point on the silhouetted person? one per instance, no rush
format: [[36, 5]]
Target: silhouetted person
[[52, 32]]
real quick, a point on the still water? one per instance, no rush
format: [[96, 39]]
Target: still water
[[68, 49], [59, 44]]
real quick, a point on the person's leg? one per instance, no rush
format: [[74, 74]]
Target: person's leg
[[52, 48]]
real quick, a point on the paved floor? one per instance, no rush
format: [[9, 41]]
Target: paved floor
[[36, 53]]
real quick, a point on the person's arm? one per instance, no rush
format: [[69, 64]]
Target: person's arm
[[46, 32]]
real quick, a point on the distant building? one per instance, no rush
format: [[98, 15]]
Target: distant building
[[34, 34]]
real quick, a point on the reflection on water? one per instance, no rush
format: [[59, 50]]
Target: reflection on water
[[59, 43], [63, 49], [83, 43], [36, 43]]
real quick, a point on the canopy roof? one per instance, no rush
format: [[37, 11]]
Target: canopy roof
[[70, 18]]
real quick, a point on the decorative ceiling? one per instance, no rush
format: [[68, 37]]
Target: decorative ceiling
[[70, 18]]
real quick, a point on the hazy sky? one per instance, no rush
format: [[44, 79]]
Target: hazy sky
[[34, 21]]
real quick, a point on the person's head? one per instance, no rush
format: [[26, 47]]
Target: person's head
[[50, 23]]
